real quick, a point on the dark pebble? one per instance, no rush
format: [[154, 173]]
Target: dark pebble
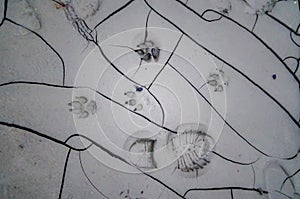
[[139, 89]]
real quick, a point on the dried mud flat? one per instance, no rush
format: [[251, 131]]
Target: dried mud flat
[[149, 99]]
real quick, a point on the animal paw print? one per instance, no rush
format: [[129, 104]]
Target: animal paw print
[[134, 99], [147, 50], [126, 194], [217, 80], [83, 107]]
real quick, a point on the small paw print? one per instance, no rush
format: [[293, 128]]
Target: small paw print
[[82, 107], [217, 80], [133, 99]]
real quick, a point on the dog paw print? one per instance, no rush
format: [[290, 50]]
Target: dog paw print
[[148, 50], [127, 195], [217, 80], [83, 107], [136, 99], [145, 50]]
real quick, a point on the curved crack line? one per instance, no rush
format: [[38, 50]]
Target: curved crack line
[[84, 30], [258, 190], [90, 181], [247, 30], [94, 143], [297, 60], [235, 162], [113, 13], [40, 37], [255, 22], [292, 38], [169, 58], [283, 194], [231, 66], [12, 125], [64, 174], [289, 177], [5, 3], [84, 87], [227, 123], [131, 80], [282, 24]]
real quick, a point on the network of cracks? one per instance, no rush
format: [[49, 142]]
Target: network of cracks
[[189, 147]]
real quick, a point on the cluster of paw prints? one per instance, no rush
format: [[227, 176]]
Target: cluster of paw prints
[[136, 99], [218, 80], [189, 147], [83, 107]]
